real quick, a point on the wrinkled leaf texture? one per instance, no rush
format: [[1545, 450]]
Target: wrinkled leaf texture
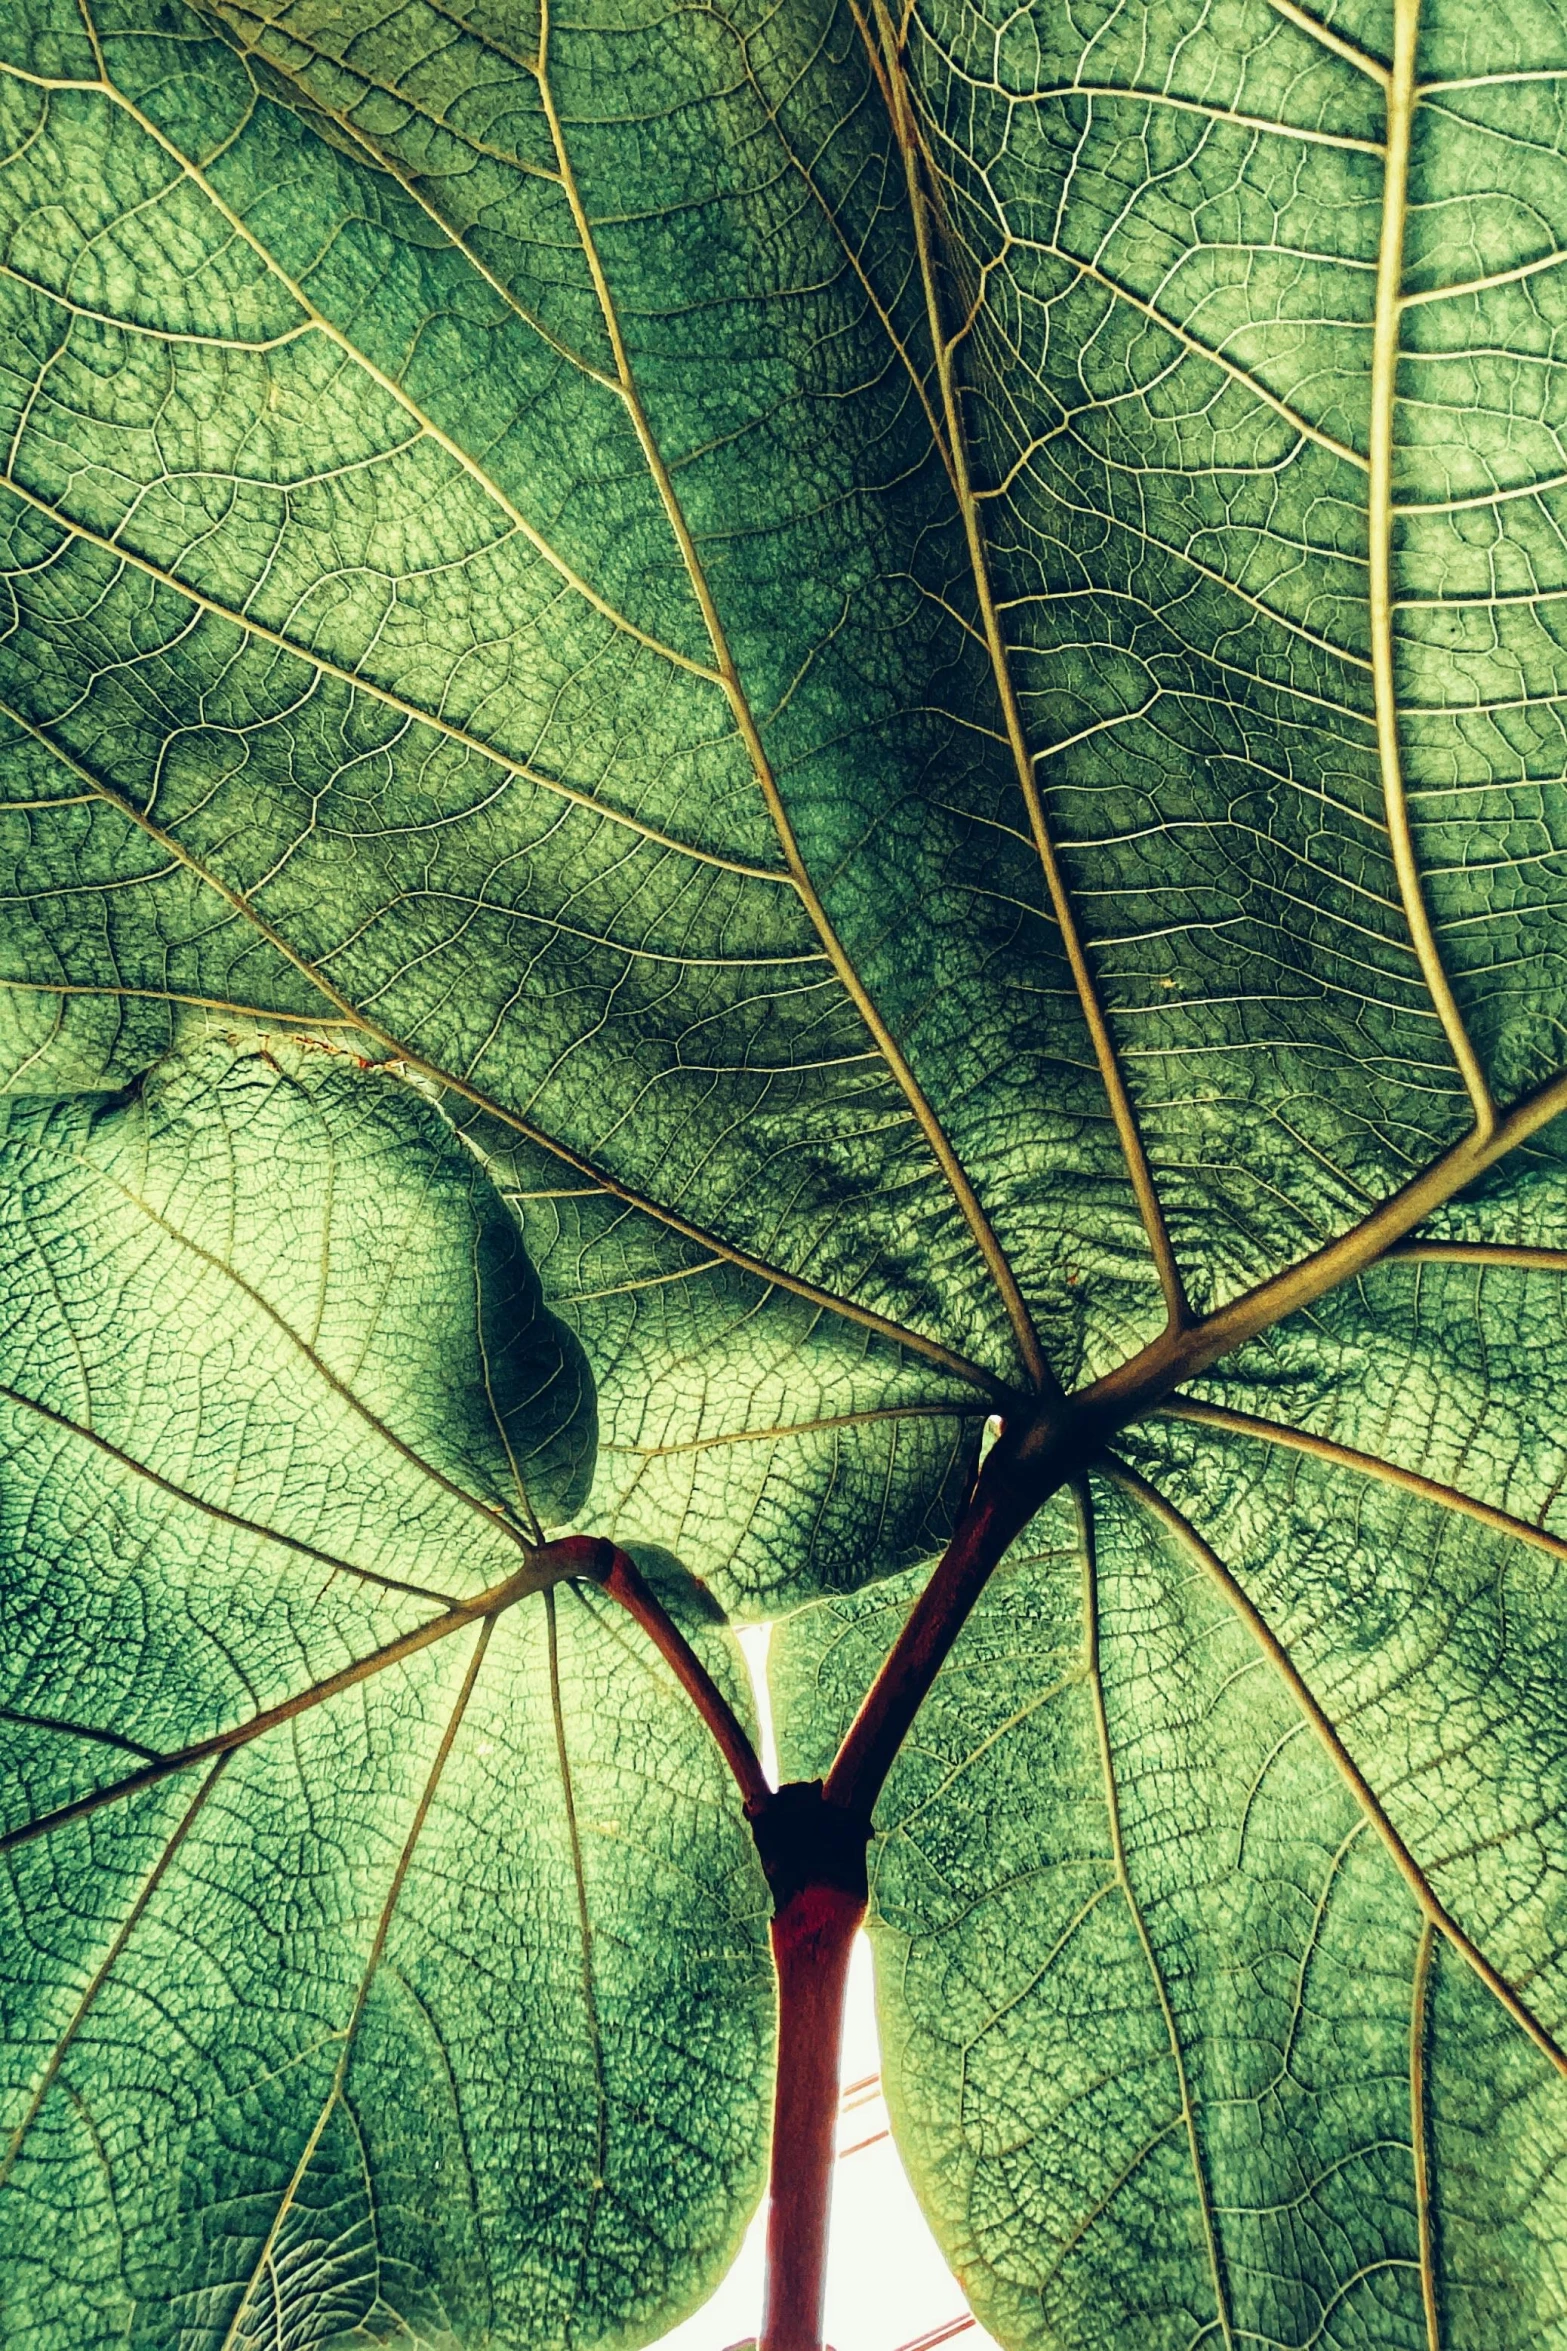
[[915, 663]]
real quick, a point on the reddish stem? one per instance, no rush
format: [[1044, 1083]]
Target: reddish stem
[[813, 1936], [1023, 1470], [619, 1575], [812, 1839]]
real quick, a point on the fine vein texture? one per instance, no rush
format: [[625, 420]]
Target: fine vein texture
[[590, 729], [882, 693], [871, 630], [1162, 2022], [437, 2013], [781, 1450]]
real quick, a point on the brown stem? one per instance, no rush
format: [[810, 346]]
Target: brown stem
[[1022, 1471], [813, 1935], [621, 1579]]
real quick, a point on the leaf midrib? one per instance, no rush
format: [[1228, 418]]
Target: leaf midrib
[[1188, 2114], [1199, 1341], [214, 1510], [1385, 353], [373, 690], [883, 1326], [885, 46], [930, 1125], [362, 1993]]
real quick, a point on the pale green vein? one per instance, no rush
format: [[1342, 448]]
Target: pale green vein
[[95, 1983], [263, 2261], [230, 1518], [1085, 1516], [1273, 1649], [373, 691]]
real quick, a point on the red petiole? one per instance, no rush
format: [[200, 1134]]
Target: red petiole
[[812, 1838]]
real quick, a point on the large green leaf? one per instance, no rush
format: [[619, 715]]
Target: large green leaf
[[913, 665], [1174, 2051], [424, 675], [427, 2003]]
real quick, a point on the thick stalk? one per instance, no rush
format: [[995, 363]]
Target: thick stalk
[[812, 1842], [813, 1936], [1024, 1468], [619, 1576]]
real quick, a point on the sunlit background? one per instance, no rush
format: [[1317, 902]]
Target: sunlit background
[[888, 2288]]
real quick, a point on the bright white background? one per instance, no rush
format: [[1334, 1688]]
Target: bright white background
[[888, 2288]]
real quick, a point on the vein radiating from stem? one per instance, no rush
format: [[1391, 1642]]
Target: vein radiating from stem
[[894, 83], [494, 1519], [413, 187], [437, 1628], [854, 258], [798, 1428], [1384, 394], [1147, 1378], [1083, 1499], [743, 1259], [1371, 1465], [1420, 2130], [1033, 1459], [106, 1966], [426, 425], [214, 1510], [1500, 1254], [229, 1004], [1273, 1649], [263, 2260], [360, 683], [925, 1117]]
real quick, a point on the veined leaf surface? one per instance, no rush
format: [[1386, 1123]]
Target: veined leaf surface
[[383, 1951], [1222, 1953], [920, 656]]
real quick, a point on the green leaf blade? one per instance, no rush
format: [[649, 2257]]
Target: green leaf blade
[[250, 2086], [1150, 1980]]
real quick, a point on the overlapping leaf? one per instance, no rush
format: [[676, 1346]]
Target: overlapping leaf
[[535, 512], [781, 1450], [426, 2006], [577, 732], [923, 655], [1175, 2051]]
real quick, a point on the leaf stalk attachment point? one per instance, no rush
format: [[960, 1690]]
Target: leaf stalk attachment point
[[813, 1852], [1025, 1466], [621, 1578]]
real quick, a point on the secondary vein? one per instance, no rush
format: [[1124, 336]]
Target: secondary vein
[[727, 671], [1384, 391]]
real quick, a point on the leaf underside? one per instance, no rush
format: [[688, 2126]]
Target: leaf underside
[[436, 2009], [911, 667]]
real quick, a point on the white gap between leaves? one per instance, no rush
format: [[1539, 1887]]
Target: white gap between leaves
[[888, 2288]]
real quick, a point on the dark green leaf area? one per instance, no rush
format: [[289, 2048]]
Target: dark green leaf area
[[782, 1450], [428, 2002], [442, 2020], [1162, 2026], [314, 393]]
